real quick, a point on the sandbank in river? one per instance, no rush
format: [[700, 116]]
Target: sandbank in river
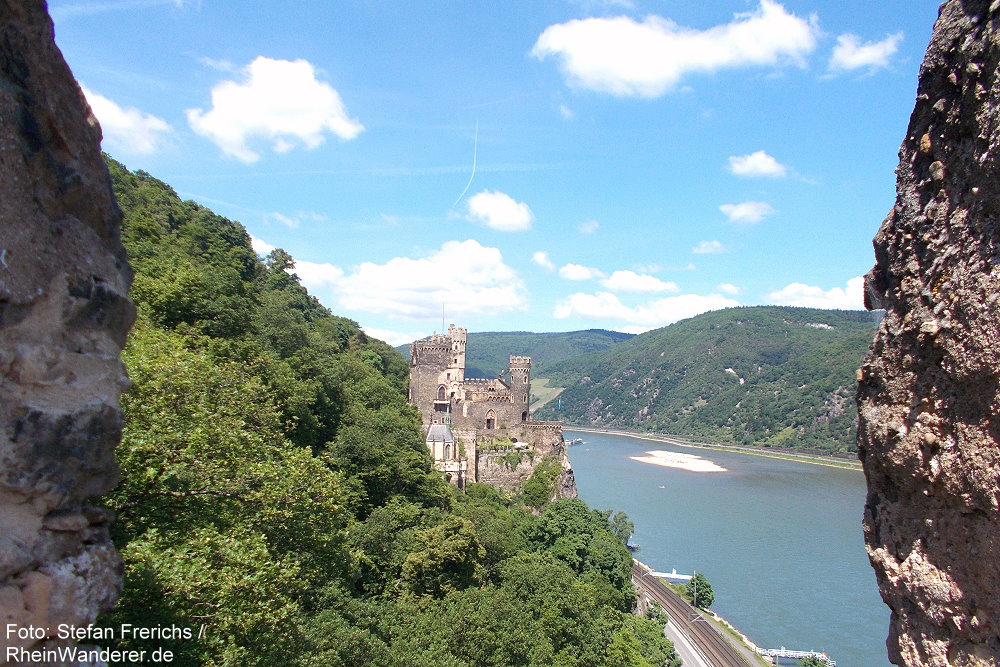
[[689, 462]]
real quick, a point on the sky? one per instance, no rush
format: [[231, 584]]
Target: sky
[[521, 166]]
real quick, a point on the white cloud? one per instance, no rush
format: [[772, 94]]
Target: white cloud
[[709, 248], [221, 65], [748, 212], [542, 259], [499, 211], [468, 278], [260, 246], [566, 112], [394, 337], [280, 101], [647, 268], [630, 281], [316, 276], [757, 164], [851, 54], [728, 288], [291, 223], [589, 227], [604, 306], [850, 297], [625, 57], [294, 221], [127, 129], [579, 272]]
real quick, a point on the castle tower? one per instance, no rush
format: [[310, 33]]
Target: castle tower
[[458, 337], [520, 386], [437, 370]]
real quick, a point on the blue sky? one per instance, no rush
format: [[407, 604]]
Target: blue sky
[[543, 166]]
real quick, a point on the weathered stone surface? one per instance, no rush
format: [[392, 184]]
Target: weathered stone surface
[[929, 392], [64, 315]]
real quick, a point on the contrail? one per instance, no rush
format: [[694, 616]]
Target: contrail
[[475, 150]]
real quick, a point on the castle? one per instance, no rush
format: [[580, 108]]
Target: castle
[[473, 425]]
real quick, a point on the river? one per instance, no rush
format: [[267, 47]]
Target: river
[[780, 541]]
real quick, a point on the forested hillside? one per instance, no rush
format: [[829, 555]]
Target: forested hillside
[[763, 376], [487, 351], [276, 496]]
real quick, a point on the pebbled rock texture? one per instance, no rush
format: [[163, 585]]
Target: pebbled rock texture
[[929, 392], [64, 316]]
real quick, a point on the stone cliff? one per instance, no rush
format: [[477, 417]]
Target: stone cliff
[[64, 316], [929, 392]]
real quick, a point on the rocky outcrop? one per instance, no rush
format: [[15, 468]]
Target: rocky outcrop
[[528, 446], [929, 392], [64, 316]]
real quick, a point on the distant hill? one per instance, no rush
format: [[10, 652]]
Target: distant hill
[[763, 376], [487, 352]]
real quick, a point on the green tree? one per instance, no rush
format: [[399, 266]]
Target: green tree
[[812, 661], [699, 591], [620, 525], [447, 558]]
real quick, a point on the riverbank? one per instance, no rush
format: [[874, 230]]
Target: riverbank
[[812, 459]]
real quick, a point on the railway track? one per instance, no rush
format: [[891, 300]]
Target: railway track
[[713, 646]]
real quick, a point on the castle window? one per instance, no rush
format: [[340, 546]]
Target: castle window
[[447, 451], [524, 416], [491, 420], [525, 379], [442, 393]]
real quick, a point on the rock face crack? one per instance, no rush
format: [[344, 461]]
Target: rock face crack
[[64, 316], [929, 391]]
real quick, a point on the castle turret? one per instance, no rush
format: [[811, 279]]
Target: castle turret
[[437, 370], [458, 337], [520, 385]]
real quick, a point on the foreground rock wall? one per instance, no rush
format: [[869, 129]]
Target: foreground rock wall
[[929, 393], [64, 316]]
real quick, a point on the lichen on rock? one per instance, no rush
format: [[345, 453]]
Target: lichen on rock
[[64, 316], [929, 391]]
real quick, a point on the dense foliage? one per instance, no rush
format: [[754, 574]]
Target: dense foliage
[[487, 352], [763, 376], [276, 495]]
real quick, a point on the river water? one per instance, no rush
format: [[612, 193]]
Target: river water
[[780, 541]]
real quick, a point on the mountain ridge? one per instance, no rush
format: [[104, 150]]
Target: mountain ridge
[[487, 351], [769, 376]]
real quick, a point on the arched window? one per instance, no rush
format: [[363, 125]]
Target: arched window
[[491, 420], [442, 393], [447, 451], [524, 416]]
